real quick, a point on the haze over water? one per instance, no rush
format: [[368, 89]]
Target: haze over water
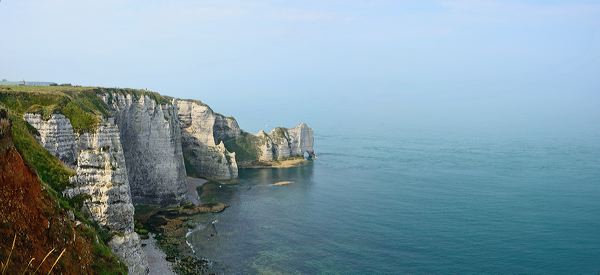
[[391, 203]]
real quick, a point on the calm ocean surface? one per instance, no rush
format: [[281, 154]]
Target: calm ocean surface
[[399, 204]]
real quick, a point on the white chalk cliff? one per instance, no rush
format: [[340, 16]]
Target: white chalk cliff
[[151, 139], [101, 176], [282, 143], [143, 151], [56, 135], [203, 132]]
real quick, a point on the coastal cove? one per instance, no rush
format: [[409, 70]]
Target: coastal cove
[[108, 155]]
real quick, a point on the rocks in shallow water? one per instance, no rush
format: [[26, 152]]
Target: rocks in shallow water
[[56, 135], [192, 265], [143, 153], [282, 183], [204, 208], [171, 227], [203, 132], [151, 139]]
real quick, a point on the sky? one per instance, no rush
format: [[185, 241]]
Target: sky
[[356, 66]]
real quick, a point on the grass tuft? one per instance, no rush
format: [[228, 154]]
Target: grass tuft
[[5, 265], [43, 260], [56, 261]]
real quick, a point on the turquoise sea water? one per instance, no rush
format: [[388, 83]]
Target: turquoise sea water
[[416, 205]]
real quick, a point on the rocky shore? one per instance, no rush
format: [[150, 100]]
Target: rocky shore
[[277, 164], [128, 153], [166, 229]]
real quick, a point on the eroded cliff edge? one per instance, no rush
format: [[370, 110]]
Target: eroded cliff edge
[[203, 133], [101, 180], [125, 147]]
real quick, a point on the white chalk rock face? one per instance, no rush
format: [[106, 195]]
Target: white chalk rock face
[[225, 128], [265, 149], [102, 176], [282, 143], [203, 132], [301, 140], [128, 247], [56, 135], [151, 140]]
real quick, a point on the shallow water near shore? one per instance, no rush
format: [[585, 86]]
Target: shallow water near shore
[[435, 205]]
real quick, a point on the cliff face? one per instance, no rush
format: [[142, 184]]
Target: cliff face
[[56, 135], [151, 140], [279, 144], [41, 227], [203, 132], [102, 176], [225, 128], [284, 143], [140, 154], [301, 140]]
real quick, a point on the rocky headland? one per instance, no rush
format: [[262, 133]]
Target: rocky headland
[[106, 150]]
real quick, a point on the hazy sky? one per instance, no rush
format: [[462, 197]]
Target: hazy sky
[[363, 65]]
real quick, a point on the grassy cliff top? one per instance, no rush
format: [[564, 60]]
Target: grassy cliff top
[[136, 93], [81, 105]]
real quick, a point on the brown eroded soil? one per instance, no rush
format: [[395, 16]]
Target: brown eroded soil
[[28, 212]]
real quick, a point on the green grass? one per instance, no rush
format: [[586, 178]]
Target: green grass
[[81, 105], [105, 262], [245, 147], [84, 108], [50, 170]]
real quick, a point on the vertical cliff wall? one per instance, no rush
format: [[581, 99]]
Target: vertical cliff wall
[[102, 176], [56, 135], [203, 133], [225, 128], [151, 140], [301, 140]]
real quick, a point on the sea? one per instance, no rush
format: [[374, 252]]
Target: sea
[[389, 204]]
